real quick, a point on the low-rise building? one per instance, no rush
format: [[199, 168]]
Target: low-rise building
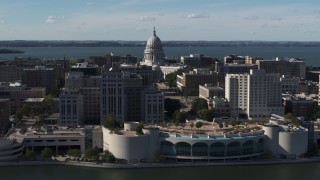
[[18, 93], [209, 91], [188, 83]]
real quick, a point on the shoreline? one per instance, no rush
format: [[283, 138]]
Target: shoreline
[[158, 165]]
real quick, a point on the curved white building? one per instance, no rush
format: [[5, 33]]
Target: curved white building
[[10, 149], [288, 143], [130, 146], [153, 54], [210, 148], [133, 148]]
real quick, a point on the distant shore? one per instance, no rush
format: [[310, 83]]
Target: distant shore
[[10, 51], [158, 165]]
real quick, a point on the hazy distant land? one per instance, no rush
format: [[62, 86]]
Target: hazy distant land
[[92, 43], [10, 51]]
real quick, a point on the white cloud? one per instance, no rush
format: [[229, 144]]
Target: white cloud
[[276, 19], [50, 19], [89, 3], [141, 29], [193, 15], [147, 18], [251, 18], [2, 21]]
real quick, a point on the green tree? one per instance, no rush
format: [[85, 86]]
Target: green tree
[[171, 79], [206, 114], [220, 125], [110, 122], [46, 153], [18, 116], [139, 130], [48, 103], [292, 119], [192, 125], [199, 104], [198, 124], [108, 157], [74, 153], [30, 155], [92, 154], [180, 117], [171, 106]]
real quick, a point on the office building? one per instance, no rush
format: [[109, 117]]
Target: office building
[[153, 105], [40, 77], [254, 95], [71, 108], [188, 83], [287, 67], [4, 116]]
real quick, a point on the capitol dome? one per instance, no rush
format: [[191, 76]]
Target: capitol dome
[[153, 54]]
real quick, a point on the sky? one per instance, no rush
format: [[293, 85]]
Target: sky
[[212, 20]]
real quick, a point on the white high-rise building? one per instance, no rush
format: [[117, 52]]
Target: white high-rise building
[[254, 95]]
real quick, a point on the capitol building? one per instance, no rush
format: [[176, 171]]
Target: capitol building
[[153, 54]]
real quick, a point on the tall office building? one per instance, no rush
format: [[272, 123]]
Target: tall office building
[[152, 105], [89, 88], [40, 77], [132, 90], [4, 115], [254, 95], [112, 99], [8, 73], [70, 108]]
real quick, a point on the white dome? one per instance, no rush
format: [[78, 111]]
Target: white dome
[[153, 53]]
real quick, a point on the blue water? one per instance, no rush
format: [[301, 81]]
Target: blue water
[[308, 171], [310, 54]]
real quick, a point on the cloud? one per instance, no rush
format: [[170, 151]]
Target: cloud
[[317, 11], [141, 29], [193, 15], [2, 21], [50, 19], [276, 19], [89, 3], [251, 18], [147, 18]]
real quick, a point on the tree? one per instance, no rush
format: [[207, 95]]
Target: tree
[[48, 103], [292, 119], [180, 117], [198, 124], [206, 114], [19, 116], [30, 155], [171, 79], [109, 122], [46, 153], [199, 104], [92, 154], [74, 153], [139, 130], [108, 157], [171, 105], [191, 125]]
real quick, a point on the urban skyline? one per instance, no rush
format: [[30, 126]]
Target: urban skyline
[[175, 19]]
